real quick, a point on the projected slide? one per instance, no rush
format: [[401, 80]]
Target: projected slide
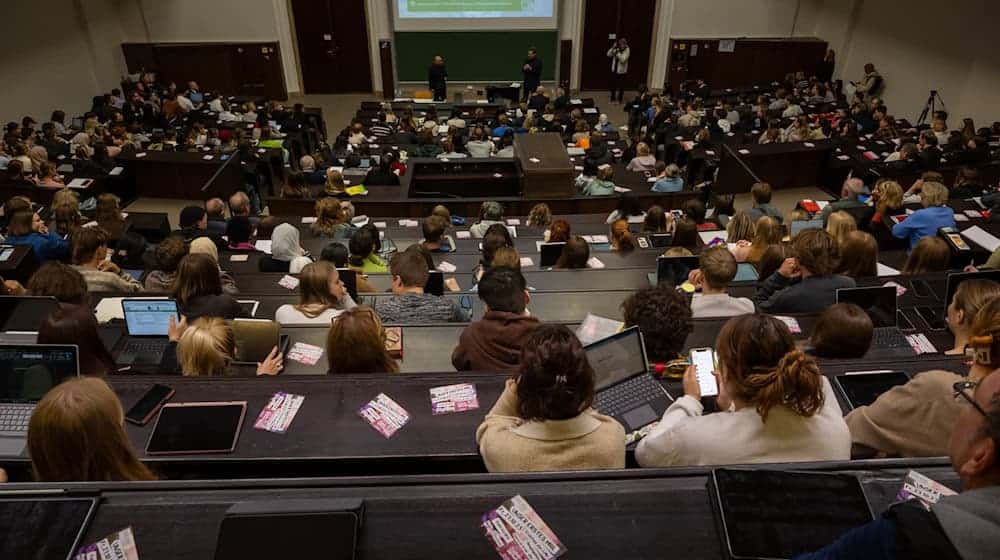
[[471, 9]]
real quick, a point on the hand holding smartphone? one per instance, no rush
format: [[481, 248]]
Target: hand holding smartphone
[[703, 359]]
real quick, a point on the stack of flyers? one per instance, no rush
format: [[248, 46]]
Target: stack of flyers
[[517, 532], [279, 412], [385, 415], [918, 487], [790, 322], [289, 282], [116, 546], [453, 398], [305, 353]]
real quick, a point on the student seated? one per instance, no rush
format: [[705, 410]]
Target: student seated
[[842, 332], [435, 240], [409, 304], [109, 216], [621, 236], [90, 251], [382, 173], [969, 298], [776, 406], [168, 255], [915, 419], [204, 246], [322, 297], [668, 179], [76, 324], [909, 530], [239, 234], [206, 348], [540, 216], [575, 254], [602, 184], [356, 344], [839, 224], [494, 342], [490, 213], [657, 220], [330, 220], [804, 283], [931, 254], [27, 228], [643, 161], [76, 434], [60, 281], [852, 189], [716, 269], [543, 421], [858, 255], [194, 224], [286, 253], [928, 220], [664, 319], [198, 290], [761, 195], [363, 246]]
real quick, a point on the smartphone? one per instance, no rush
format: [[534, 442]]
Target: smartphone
[[932, 318], [147, 407], [958, 242], [703, 359]]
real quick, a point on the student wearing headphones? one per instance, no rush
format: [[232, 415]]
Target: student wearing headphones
[[915, 419]]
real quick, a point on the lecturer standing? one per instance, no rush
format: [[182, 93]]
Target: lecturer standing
[[437, 79], [532, 69], [618, 53]]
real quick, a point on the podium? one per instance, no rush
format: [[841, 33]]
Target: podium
[[544, 164]]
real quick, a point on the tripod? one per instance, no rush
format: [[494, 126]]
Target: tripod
[[931, 107]]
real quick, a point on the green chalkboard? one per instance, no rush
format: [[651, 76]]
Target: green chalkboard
[[474, 55]]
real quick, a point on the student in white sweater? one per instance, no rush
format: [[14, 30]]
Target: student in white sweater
[[716, 269], [777, 406], [322, 297]]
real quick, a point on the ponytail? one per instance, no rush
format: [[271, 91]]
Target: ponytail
[[984, 344], [795, 383]]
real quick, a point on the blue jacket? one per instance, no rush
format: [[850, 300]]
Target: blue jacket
[[923, 223], [668, 184], [46, 247]]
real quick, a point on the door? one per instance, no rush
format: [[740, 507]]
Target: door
[[332, 37], [631, 19]]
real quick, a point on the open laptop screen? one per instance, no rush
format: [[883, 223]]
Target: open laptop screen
[[148, 317], [617, 358], [674, 270], [19, 313], [879, 302], [28, 371]]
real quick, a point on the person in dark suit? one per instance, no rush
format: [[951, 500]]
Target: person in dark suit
[[437, 79], [532, 70]]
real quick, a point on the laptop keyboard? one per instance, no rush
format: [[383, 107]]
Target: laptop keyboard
[[623, 397], [14, 418], [889, 337], [145, 350]]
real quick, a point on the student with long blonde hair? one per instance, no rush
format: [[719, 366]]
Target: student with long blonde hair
[[322, 297], [76, 434], [839, 224], [208, 346]]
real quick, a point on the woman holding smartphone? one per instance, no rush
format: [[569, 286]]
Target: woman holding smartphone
[[775, 406]]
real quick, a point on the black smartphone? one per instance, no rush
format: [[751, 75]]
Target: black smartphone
[[921, 289], [903, 322], [933, 318], [147, 407]]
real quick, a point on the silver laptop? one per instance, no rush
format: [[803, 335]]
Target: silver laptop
[[625, 390]]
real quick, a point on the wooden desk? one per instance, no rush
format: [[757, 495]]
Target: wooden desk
[[545, 164], [182, 175]]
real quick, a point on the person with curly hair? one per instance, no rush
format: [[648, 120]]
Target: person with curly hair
[[543, 421], [664, 319]]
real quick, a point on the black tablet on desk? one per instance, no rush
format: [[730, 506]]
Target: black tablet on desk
[[780, 514], [43, 525], [861, 388], [197, 427]]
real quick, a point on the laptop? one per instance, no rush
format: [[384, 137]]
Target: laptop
[[46, 523], [549, 254], [147, 322], [799, 225], [27, 372], [745, 272], [435, 283], [862, 388], [625, 390], [674, 271], [880, 303], [661, 239], [21, 314], [350, 279]]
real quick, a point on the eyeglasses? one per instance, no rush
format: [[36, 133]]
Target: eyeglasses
[[962, 389]]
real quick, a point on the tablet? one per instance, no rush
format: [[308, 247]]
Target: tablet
[[197, 427], [781, 514], [38, 526], [861, 388]]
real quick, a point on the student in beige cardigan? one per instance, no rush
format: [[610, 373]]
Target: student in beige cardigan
[[915, 419], [776, 406], [543, 420]]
